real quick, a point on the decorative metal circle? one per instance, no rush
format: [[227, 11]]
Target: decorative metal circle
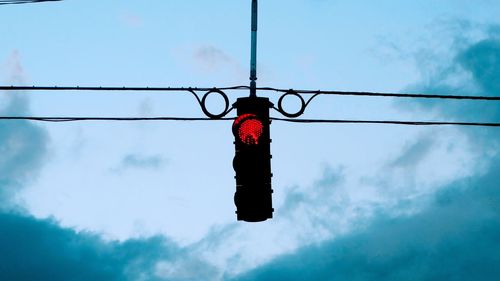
[[208, 113], [296, 114]]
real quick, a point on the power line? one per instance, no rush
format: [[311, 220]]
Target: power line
[[193, 90], [77, 119], [278, 90], [377, 94], [387, 122], [10, 2], [114, 89], [324, 121]]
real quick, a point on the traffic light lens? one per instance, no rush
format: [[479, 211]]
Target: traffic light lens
[[249, 129]]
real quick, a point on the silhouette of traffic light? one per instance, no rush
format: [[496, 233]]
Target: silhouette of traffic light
[[252, 161]]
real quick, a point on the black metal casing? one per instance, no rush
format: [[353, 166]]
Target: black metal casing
[[252, 164]]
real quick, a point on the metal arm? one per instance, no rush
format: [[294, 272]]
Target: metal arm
[[253, 59]]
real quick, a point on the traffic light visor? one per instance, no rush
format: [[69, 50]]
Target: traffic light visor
[[248, 128]]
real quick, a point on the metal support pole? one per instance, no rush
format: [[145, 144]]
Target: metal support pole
[[253, 59]]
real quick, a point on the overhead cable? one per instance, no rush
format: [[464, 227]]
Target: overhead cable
[[10, 2], [311, 92], [323, 121]]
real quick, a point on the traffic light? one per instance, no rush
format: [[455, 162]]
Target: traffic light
[[252, 161]]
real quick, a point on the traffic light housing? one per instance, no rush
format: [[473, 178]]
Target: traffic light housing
[[252, 161]]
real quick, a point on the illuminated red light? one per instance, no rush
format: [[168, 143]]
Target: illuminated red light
[[249, 129]]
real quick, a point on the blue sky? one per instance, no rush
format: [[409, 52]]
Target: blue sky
[[154, 201]]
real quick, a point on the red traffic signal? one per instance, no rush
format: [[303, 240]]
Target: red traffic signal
[[252, 161]]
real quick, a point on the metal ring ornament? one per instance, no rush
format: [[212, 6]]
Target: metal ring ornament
[[203, 101], [303, 105]]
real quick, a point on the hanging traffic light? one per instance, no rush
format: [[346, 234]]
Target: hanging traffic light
[[252, 161]]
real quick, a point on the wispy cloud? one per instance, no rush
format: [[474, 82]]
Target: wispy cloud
[[142, 161], [414, 153], [23, 146], [473, 70], [211, 57]]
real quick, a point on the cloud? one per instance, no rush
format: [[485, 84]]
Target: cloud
[[40, 249], [35, 249], [23, 148], [416, 167], [16, 74], [474, 70], [211, 62], [325, 188], [454, 239], [23, 145], [211, 57], [322, 209], [414, 153], [142, 162], [482, 60]]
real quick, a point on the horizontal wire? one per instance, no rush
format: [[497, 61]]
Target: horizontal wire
[[10, 2], [387, 122], [324, 121], [375, 94], [312, 92], [75, 119], [111, 89]]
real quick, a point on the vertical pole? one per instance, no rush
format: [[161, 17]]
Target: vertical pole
[[253, 59]]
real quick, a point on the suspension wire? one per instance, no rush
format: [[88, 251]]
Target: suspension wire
[[324, 121], [388, 122], [10, 2], [376, 94], [278, 90], [77, 119], [112, 89]]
